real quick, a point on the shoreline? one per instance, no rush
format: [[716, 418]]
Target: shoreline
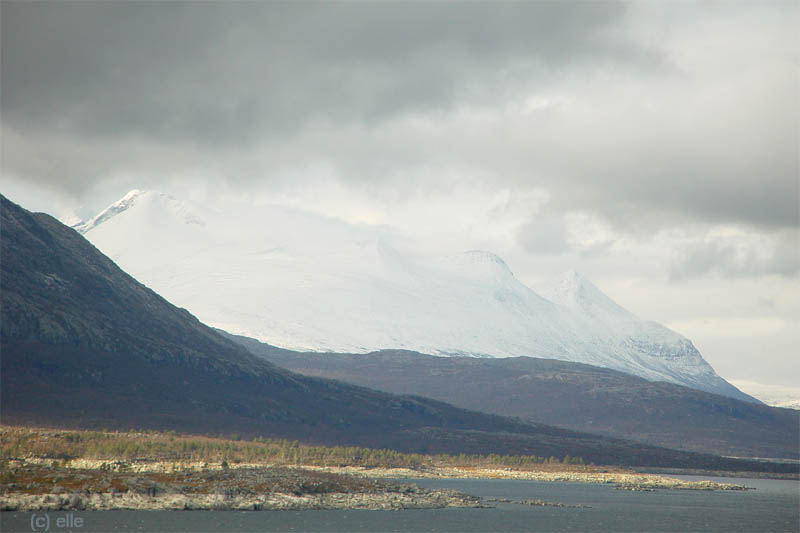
[[413, 498], [623, 480], [38, 484], [47, 487], [781, 476], [595, 476]]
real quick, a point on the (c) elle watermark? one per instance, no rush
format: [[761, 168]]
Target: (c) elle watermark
[[43, 521]]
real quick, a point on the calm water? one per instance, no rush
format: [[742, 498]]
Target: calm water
[[774, 506]]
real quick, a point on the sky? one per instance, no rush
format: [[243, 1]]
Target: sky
[[651, 146]]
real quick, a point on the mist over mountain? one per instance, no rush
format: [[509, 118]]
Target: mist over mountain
[[310, 283]]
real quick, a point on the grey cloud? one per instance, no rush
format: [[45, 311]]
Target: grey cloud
[[236, 72], [724, 171], [250, 92], [544, 235], [738, 258]]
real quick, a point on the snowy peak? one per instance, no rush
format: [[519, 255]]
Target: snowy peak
[[571, 289], [111, 211], [483, 258], [477, 265], [149, 204]]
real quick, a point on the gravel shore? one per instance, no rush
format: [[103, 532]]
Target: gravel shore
[[34, 484], [414, 499], [626, 480], [31, 487]]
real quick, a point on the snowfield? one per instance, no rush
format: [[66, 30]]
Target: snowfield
[[306, 282]]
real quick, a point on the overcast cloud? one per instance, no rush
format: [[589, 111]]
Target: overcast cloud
[[654, 146]]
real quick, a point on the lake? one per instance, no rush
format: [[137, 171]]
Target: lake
[[773, 506]]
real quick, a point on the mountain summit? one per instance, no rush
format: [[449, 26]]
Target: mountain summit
[[305, 282], [573, 290], [114, 209]]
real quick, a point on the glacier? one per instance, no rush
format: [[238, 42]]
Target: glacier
[[306, 282]]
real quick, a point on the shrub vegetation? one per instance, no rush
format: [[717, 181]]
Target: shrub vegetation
[[60, 445]]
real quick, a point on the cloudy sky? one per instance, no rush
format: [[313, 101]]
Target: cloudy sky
[[651, 146]]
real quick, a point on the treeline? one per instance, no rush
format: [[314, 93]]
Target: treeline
[[133, 446]]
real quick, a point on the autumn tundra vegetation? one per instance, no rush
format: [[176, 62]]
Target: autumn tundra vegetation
[[132, 446]]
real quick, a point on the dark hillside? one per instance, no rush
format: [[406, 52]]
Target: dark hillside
[[566, 394]]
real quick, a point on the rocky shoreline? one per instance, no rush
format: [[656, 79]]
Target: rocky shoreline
[[623, 480], [538, 503], [415, 498], [30, 487], [35, 484]]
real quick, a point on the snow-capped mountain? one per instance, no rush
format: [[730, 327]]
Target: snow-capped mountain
[[306, 282]]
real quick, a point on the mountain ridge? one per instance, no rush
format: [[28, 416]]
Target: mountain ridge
[[574, 395], [369, 295]]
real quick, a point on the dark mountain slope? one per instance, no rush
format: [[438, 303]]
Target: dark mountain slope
[[572, 395], [84, 344]]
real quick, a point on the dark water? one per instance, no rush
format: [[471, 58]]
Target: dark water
[[774, 506]]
